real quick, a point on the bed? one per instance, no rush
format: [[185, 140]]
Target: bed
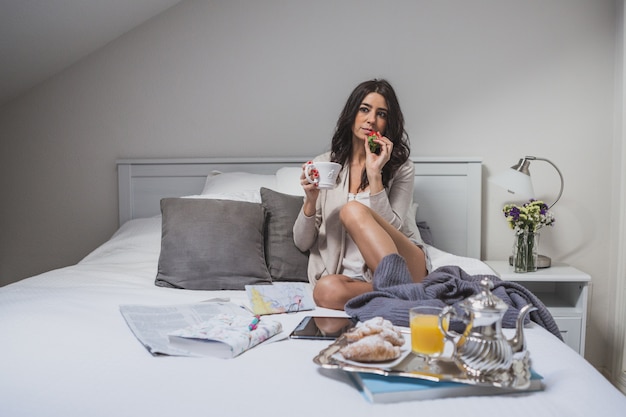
[[66, 349]]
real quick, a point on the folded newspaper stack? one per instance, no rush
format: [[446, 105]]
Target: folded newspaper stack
[[214, 327]]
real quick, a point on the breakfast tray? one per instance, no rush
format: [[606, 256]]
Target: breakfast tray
[[441, 369]]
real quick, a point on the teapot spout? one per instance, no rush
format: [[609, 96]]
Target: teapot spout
[[518, 342]]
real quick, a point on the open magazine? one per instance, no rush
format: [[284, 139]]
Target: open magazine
[[220, 329], [280, 297], [224, 336]]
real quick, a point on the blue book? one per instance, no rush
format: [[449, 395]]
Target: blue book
[[388, 389]]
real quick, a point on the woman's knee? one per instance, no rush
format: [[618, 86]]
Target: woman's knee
[[352, 212], [324, 289]]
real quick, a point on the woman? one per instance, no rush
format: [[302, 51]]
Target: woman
[[350, 228]]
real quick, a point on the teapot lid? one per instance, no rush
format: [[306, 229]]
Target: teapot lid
[[486, 301]]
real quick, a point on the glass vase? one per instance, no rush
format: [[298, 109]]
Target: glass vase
[[525, 251]]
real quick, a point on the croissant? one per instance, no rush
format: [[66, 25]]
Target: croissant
[[376, 325], [371, 348]]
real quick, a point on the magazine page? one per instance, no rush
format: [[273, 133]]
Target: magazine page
[[280, 297]]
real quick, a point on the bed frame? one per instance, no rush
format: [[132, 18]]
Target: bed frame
[[447, 190]]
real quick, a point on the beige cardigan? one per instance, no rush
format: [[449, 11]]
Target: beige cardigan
[[323, 234]]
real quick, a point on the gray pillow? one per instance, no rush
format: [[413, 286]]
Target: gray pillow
[[284, 260], [425, 232], [211, 244]]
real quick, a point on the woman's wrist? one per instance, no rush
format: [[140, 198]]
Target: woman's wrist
[[308, 208], [375, 183]]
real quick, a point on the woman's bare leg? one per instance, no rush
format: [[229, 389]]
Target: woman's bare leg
[[376, 238], [334, 291]]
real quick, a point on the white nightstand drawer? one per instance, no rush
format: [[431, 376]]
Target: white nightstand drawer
[[570, 330]]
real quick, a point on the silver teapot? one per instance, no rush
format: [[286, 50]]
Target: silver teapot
[[483, 349]]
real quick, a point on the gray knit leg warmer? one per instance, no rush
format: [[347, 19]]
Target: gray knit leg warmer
[[391, 271]]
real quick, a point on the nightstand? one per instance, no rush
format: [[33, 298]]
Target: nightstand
[[563, 289]]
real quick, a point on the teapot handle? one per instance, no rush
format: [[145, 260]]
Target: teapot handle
[[447, 313]]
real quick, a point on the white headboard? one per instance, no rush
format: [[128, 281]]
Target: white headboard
[[448, 191]]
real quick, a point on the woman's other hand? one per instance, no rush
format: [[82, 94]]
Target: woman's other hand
[[374, 163]]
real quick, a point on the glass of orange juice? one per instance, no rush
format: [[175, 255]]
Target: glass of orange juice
[[426, 339]]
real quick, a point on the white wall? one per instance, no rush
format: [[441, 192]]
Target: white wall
[[497, 79], [618, 263]]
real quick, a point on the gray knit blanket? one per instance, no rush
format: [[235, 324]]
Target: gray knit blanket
[[395, 293]]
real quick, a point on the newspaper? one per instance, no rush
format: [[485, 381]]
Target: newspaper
[[152, 326]]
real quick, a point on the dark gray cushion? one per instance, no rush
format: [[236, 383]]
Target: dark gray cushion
[[425, 232], [211, 244], [284, 260]]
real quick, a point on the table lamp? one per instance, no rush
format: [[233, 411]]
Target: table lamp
[[516, 180]]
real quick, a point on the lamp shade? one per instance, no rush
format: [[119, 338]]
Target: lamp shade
[[515, 182]]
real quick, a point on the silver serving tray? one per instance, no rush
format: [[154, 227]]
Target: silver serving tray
[[440, 369]]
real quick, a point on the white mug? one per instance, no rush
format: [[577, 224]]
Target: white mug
[[328, 172]]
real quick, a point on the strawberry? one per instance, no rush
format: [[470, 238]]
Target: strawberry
[[370, 139]]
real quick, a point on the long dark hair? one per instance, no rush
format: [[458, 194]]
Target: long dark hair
[[341, 144]]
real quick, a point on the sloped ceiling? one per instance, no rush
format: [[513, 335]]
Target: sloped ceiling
[[39, 38]]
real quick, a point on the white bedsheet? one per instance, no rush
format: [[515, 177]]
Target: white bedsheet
[[65, 350]]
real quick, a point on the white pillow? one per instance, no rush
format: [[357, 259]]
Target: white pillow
[[237, 183], [288, 181]]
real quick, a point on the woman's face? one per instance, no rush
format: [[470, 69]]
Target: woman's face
[[371, 116]]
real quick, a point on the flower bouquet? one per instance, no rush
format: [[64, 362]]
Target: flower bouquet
[[526, 220]]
